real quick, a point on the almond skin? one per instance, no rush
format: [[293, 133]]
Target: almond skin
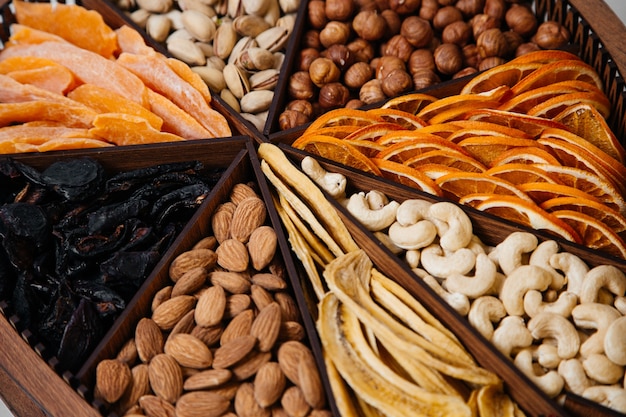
[[189, 351], [262, 246], [221, 220], [249, 214], [112, 378], [233, 282], [210, 378], [269, 384], [232, 255], [148, 339], [211, 306], [201, 404], [239, 326], [233, 351], [166, 377], [190, 282], [168, 313], [190, 259], [246, 405], [266, 326], [240, 192]]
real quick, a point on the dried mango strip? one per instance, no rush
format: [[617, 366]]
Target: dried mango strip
[[56, 79], [13, 91], [28, 111], [131, 41], [175, 119], [125, 129]]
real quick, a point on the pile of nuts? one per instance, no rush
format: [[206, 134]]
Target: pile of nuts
[[225, 338], [236, 46], [360, 52]]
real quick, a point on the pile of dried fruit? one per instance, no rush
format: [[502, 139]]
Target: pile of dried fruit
[[225, 337], [70, 81], [526, 141]]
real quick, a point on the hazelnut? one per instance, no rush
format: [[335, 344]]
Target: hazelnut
[[305, 57], [300, 86], [366, 5], [421, 59], [334, 32], [495, 9], [372, 92], [465, 72], [513, 40], [405, 6], [369, 25], [396, 82], [551, 35], [425, 78], [470, 8], [357, 75], [340, 55], [386, 64], [525, 48], [458, 32], [333, 95], [398, 46], [445, 16], [490, 62], [317, 14], [289, 119], [471, 57], [323, 71], [492, 43], [339, 9], [361, 49], [311, 39], [482, 22], [444, 3], [448, 58], [393, 21], [417, 31], [355, 103], [521, 19], [303, 106], [429, 9]]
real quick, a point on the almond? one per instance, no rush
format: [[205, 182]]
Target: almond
[[148, 339], [185, 324], [249, 214], [210, 378], [140, 386], [221, 220], [233, 351], [211, 306], [233, 282], [190, 282], [162, 295], [189, 351], [239, 326], [289, 356], [250, 365], [209, 335], [269, 384], [241, 191], [128, 352], [291, 330], [112, 378], [232, 255], [269, 281], [166, 377], [209, 242], [294, 403], [201, 404], [246, 405], [261, 297], [262, 246], [288, 306], [310, 382], [266, 326], [237, 303], [190, 259], [168, 313], [154, 406]]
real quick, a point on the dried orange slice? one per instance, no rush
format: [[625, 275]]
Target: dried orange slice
[[528, 214], [585, 121], [407, 149], [398, 136], [408, 176], [471, 128], [457, 185], [440, 129], [399, 117], [552, 107], [434, 171], [339, 132], [528, 155], [486, 149], [370, 133], [599, 211], [343, 117], [336, 150], [594, 234], [507, 74], [553, 72], [410, 103], [366, 147], [452, 107], [521, 173], [533, 126], [473, 200], [543, 191], [544, 57], [448, 158]]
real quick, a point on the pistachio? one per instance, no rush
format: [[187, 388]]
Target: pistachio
[[273, 13], [236, 80], [227, 96], [287, 21], [264, 80], [206, 47], [255, 119], [273, 39], [179, 34], [158, 27], [242, 45], [224, 40], [215, 62], [256, 7], [187, 51], [235, 8], [140, 17], [279, 58], [196, 5], [213, 77], [249, 25], [256, 101], [156, 6], [289, 6], [256, 59], [175, 17], [199, 25]]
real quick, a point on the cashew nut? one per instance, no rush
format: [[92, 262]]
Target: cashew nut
[[331, 182], [511, 334], [411, 211], [541, 257], [412, 257], [386, 241], [574, 268], [484, 278], [441, 265], [620, 304], [612, 397], [509, 253], [556, 327], [599, 368], [548, 355], [485, 311], [615, 341], [521, 280], [602, 277], [372, 219], [457, 301], [551, 383], [459, 232], [376, 199], [415, 236], [594, 316], [574, 375], [564, 304]]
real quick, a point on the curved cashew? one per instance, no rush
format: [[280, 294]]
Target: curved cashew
[[412, 257], [484, 278], [612, 397], [477, 246], [594, 316], [574, 268], [376, 199], [574, 375], [602, 277], [331, 182], [599, 368], [485, 311], [457, 301], [564, 304], [548, 355], [460, 230], [509, 253], [415, 236], [551, 383], [442, 265], [411, 211], [541, 257], [620, 304], [374, 220], [511, 334], [557, 327], [615, 341], [521, 280]]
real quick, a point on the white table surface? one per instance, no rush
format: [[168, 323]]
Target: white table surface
[[618, 6]]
